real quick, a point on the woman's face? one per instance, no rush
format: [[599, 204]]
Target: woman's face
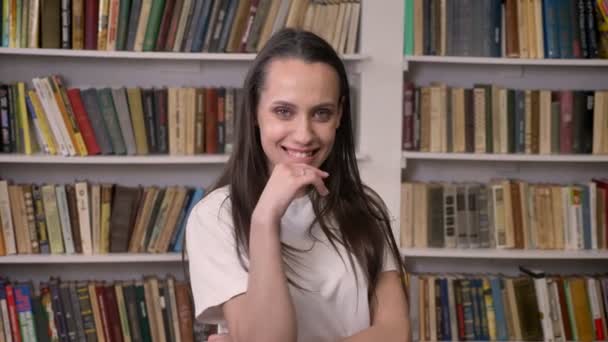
[[298, 112]]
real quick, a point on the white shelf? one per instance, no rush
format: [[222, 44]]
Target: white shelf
[[117, 160], [196, 56], [123, 160], [503, 254], [504, 61], [92, 259], [564, 158]]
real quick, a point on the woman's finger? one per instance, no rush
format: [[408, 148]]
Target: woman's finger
[[219, 338]]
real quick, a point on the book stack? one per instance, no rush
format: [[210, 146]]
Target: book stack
[[90, 218], [150, 309], [56, 120], [234, 26], [464, 307], [505, 214], [511, 28], [492, 119]]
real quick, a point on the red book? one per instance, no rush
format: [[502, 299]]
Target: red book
[[165, 23], [100, 293], [113, 315], [408, 116], [82, 119], [210, 120], [565, 128], [91, 20], [172, 31], [12, 313], [564, 308]]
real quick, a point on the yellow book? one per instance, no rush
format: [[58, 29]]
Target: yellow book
[[137, 118], [67, 114], [102, 28], [489, 304], [12, 19], [53, 225], [43, 123], [23, 120], [106, 211]]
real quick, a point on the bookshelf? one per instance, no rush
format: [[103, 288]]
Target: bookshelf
[[165, 56], [511, 73], [375, 72], [539, 62]]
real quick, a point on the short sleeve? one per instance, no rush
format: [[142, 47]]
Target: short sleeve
[[216, 275], [388, 264]]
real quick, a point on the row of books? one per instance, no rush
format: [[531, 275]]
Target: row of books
[[489, 118], [511, 28], [533, 307], [52, 119], [88, 218], [150, 309], [174, 25], [505, 214]]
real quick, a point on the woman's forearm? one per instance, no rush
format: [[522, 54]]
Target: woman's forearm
[[271, 314], [398, 332]]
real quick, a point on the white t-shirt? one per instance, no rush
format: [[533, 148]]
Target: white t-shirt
[[331, 306]]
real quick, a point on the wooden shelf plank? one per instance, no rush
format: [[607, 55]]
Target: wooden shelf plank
[[90, 259], [196, 56], [503, 254], [571, 158], [505, 61], [122, 160]]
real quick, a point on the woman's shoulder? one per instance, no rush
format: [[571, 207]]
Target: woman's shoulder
[[217, 202]]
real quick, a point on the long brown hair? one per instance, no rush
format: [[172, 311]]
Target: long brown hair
[[363, 224]]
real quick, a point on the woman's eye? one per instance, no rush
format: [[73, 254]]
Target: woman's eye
[[323, 114], [282, 112]]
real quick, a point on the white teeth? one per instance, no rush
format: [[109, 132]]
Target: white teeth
[[299, 154]]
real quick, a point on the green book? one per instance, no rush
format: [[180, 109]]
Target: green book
[[408, 28], [108, 112], [142, 313], [5, 23], [18, 20], [156, 14], [123, 24]]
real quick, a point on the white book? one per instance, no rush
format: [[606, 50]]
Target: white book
[[594, 301], [96, 217], [542, 297], [5, 321], [7, 219], [84, 217], [592, 214], [33, 23], [45, 100], [64, 217], [353, 31], [576, 217], [559, 332]]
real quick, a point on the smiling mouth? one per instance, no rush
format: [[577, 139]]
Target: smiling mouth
[[300, 154]]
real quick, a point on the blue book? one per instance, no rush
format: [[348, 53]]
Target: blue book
[[446, 333], [180, 219], [181, 231], [60, 323], [228, 23], [201, 28], [502, 333], [586, 217], [551, 29], [565, 29], [91, 104], [467, 304]]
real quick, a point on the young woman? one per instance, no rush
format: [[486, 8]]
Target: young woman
[[290, 245]]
